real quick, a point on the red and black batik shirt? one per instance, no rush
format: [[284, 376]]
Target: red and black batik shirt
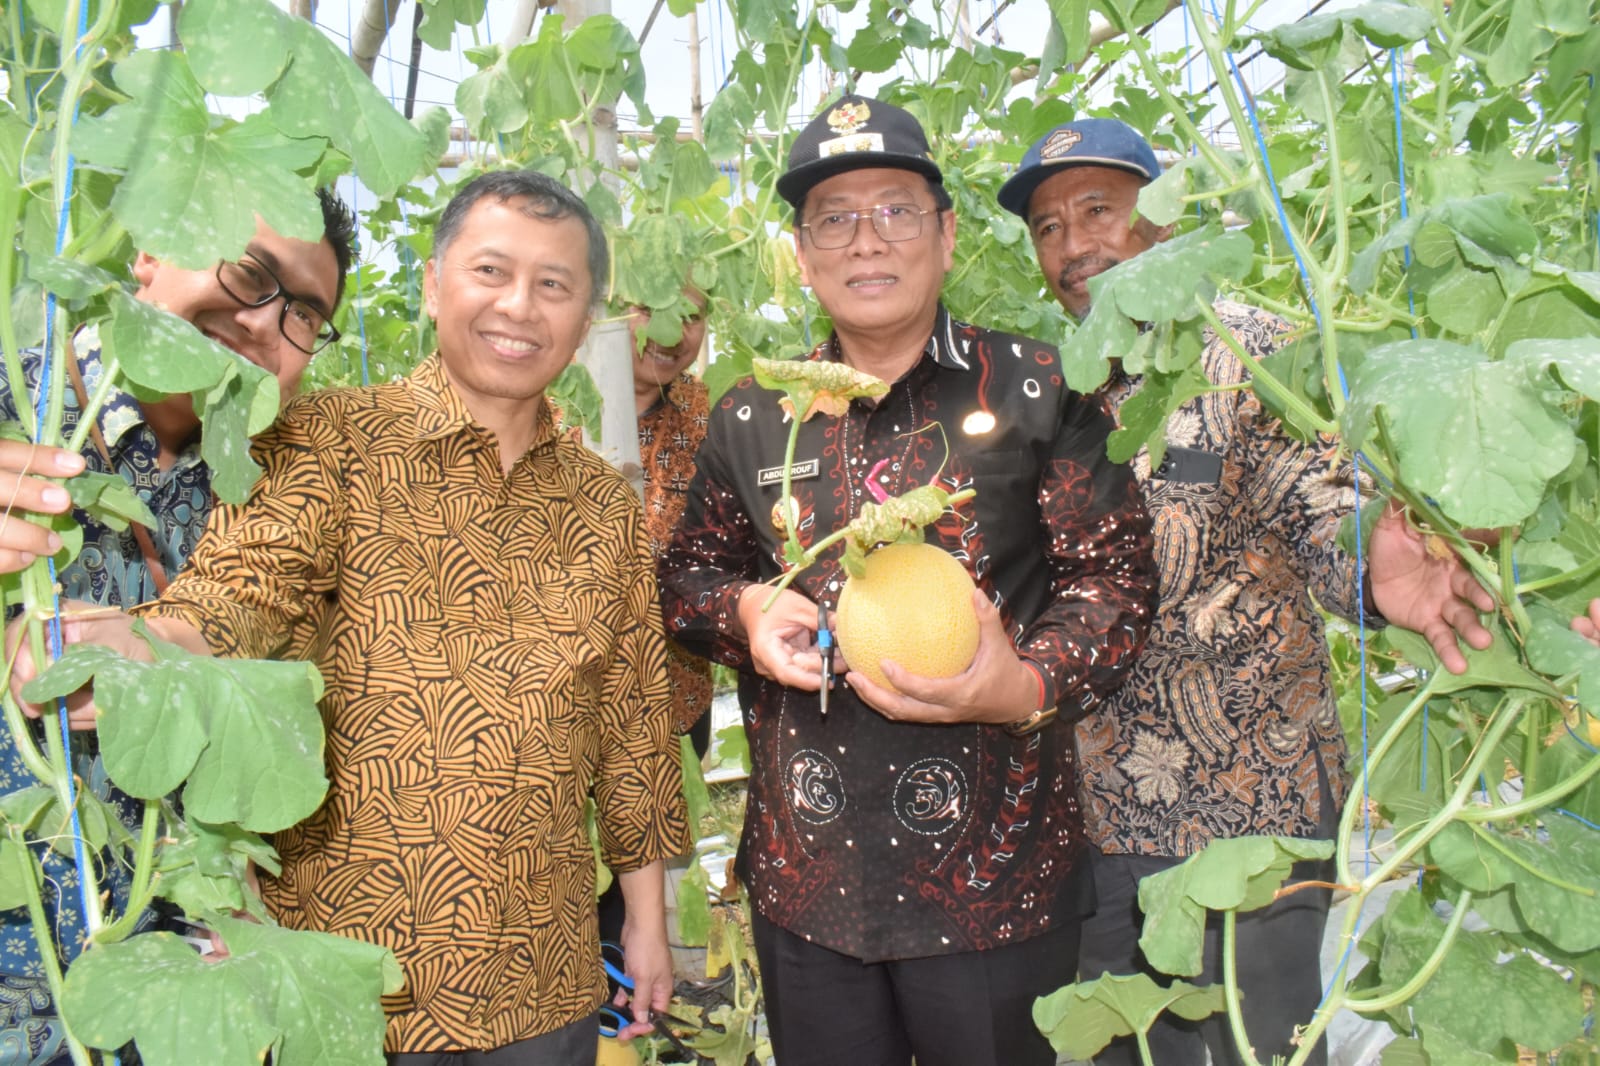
[[890, 840]]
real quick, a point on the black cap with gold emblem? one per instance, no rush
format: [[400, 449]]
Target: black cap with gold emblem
[[851, 133]]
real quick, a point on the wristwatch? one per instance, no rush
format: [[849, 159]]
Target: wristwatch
[[1033, 723]]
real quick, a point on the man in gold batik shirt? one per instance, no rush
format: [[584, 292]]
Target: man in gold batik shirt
[[478, 593]]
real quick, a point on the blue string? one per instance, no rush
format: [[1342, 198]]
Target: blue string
[[1395, 59], [80, 857], [1272, 181], [405, 220]]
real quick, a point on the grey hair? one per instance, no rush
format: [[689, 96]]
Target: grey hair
[[543, 197]]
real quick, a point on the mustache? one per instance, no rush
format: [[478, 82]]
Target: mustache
[[1097, 264]]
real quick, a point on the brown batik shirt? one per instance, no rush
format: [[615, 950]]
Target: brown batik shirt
[[1227, 720], [492, 651], [894, 840], [669, 438]]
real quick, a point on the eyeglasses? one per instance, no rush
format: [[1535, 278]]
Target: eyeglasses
[[892, 222], [251, 283]]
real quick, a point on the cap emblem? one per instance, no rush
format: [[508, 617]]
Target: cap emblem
[[1059, 144], [848, 117]]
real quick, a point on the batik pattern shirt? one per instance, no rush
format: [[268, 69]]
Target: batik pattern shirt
[[888, 840], [110, 571], [669, 438], [1227, 720], [493, 657]]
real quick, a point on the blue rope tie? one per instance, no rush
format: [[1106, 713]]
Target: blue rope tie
[[80, 857]]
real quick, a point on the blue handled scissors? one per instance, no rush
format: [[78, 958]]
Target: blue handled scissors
[[613, 1021], [824, 649]]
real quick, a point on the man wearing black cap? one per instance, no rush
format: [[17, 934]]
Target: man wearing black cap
[[1226, 725], [913, 857]]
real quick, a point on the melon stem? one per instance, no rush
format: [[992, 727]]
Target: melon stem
[[807, 557]]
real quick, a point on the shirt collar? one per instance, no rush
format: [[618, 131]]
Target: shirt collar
[[441, 412], [946, 346]]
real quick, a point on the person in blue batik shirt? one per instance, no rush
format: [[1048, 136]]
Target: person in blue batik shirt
[[274, 306]]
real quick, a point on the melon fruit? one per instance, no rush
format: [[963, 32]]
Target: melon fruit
[[614, 1052], [911, 604]]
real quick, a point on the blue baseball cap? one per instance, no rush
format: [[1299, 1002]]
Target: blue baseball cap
[[1088, 142]]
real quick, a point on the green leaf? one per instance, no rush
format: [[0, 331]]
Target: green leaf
[[231, 46], [323, 93], [191, 192], [246, 734], [311, 996], [162, 354], [203, 871], [1513, 60], [1404, 1052], [109, 499], [1497, 666], [765, 21], [694, 905], [1144, 416], [695, 795], [872, 51], [1161, 201], [491, 100], [1081, 1019], [440, 18], [68, 278], [733, 747], [434, 124], [1576, 362], [1475, 997], [540, 68], [1306, 43], [575, 393], [1071, 17], [234, 410], [1556, 650], [1470, 432], [1391, 25], [1086, 357], [600, 41], [1160, 284], [1241, 873], [17, 868]]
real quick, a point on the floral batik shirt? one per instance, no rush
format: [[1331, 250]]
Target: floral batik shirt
[[111, 571], [1226, 725], [669, 439]]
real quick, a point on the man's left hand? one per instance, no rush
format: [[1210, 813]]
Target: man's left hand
[[1430, 592], [997, 688]]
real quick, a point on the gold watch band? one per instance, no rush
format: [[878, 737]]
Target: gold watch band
[[1033, 723]]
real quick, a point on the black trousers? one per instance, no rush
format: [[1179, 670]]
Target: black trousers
[[1278, 963], [969, 1009], [573, 1044]]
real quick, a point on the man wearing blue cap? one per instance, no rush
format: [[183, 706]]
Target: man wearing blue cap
[[915, 857], [1227, 725]]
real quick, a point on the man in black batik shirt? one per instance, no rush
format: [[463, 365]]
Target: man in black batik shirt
[[915, 860]]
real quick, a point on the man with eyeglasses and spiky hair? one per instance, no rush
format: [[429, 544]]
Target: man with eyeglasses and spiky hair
[[274, 306]]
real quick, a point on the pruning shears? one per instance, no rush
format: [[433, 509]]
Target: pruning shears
[[825, 650]]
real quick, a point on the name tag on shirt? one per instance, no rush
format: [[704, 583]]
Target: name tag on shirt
[[773, 475], [1190, 466]]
